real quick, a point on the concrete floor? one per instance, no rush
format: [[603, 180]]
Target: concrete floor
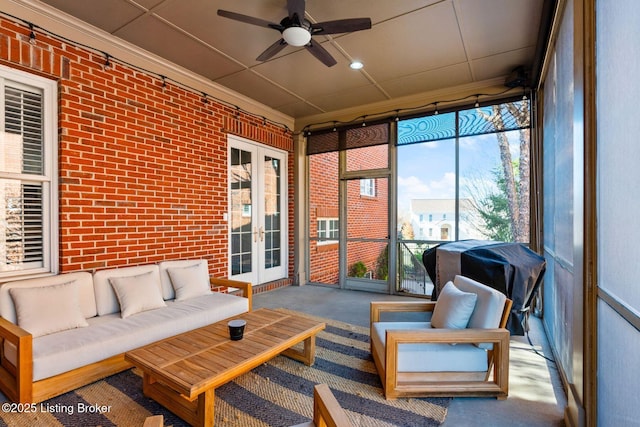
[[536, 396]]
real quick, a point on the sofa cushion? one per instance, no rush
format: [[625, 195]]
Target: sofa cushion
[[106, 300], [85, 292], [428, 357], [48, 309], [168, 291], [189, 282], [110, 335], [454, 308], [137, 293]]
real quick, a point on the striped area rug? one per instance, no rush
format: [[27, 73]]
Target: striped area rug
[[278, 393]]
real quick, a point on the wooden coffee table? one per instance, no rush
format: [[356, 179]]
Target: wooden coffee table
[[182, 372]]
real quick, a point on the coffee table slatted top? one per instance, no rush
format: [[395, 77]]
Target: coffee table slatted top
[[206, 358]]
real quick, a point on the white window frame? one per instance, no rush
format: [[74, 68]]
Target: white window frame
[[328, 229], [49, 178], [368, 187]]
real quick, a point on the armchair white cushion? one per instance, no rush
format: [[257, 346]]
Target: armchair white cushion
[[428, 357]]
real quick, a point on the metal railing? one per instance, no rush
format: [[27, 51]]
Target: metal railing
[[412, 275]]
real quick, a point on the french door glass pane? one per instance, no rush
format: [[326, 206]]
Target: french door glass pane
[[241, 220], [272, 214]]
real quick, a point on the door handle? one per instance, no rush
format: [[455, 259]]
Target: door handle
[[261, 233], [255, 235]]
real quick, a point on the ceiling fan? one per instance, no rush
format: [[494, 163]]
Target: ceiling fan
[[297, 31]]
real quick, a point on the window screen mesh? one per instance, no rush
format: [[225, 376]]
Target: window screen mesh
[[363, 136], [474, 121]]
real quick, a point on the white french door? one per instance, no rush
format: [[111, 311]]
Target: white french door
[[257, 211]]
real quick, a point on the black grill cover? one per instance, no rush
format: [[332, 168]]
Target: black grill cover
[[511, 268]]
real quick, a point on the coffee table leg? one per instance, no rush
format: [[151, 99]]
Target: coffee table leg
[[205, 412], [308, 353], [200, 412]]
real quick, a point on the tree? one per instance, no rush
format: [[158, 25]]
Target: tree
[[493, 211], [514, 177], [406, 231]]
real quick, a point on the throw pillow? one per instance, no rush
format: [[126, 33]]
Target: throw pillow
[[454, 308], [137, 293], [189, 282], [47, 309]]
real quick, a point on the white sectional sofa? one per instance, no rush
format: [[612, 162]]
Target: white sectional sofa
[[61, 332]]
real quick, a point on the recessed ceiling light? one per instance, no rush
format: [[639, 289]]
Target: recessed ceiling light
[[356, 65]]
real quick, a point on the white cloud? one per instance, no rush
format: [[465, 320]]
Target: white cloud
[[446, 186], [413, 187]]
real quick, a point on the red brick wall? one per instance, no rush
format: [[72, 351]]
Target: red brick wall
[[143, 169], [323, 203]]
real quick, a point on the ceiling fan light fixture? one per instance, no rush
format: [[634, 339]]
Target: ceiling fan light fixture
[[296, 36]]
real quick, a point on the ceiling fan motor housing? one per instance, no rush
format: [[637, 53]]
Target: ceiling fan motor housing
[[296, 34]]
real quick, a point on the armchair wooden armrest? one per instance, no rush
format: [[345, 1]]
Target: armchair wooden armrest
[[449, 383], [379, 307], [447, 336], [326, 409], [245, 287], [16, 382]]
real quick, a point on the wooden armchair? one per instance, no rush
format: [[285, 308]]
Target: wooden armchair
[[417, 359], [327, 412]]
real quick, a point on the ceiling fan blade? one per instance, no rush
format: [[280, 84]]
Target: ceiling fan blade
[[321, 53], [341, 26], [272, 50], [249, 19], [296, 7]]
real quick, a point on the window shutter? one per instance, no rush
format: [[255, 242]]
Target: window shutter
[[23, 116], [24, 214], [32, 223]]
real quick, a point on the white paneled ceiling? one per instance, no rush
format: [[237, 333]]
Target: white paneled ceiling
[[414, 46]]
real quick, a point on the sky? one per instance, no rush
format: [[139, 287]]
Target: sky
[[427, 170]]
